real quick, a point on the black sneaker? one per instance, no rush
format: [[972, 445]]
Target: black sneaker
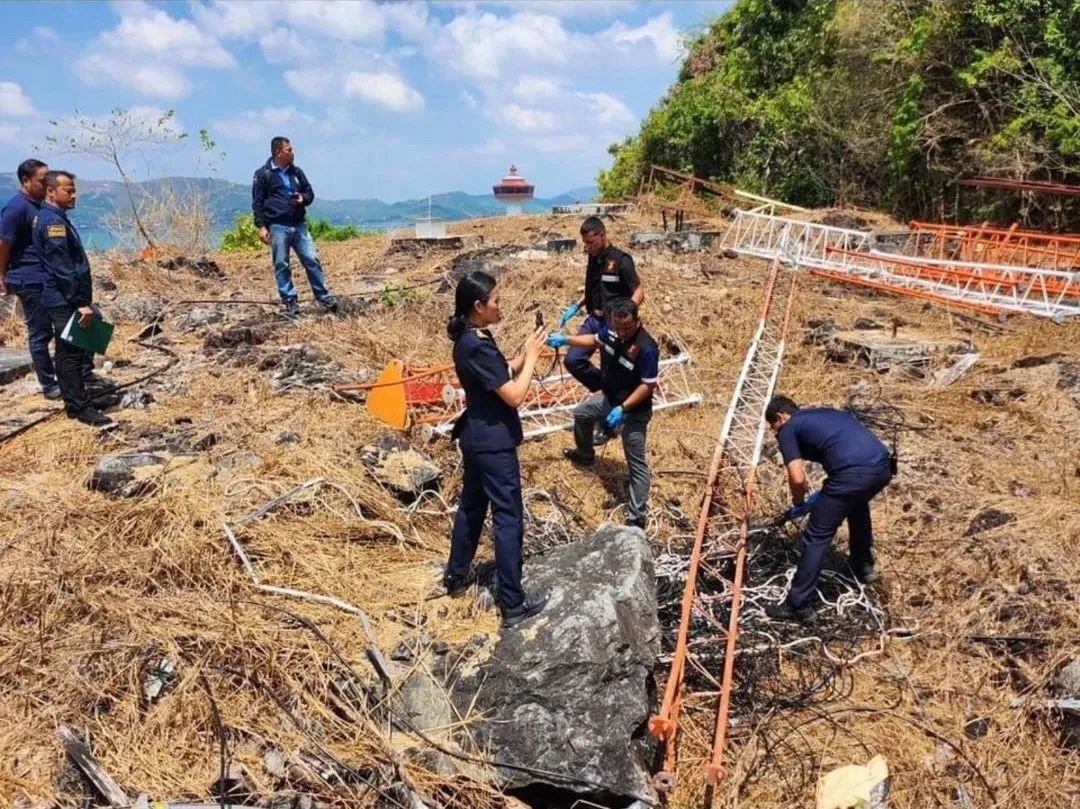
[[52, 394], [93, 417], [532, 605], [786, 612], [635, 522], [330, 304], [576, 456], [292, 310], [455, 586]]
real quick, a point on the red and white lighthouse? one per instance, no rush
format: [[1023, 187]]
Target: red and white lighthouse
[[513, 190]]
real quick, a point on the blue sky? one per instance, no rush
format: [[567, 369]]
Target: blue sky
[[388, 100]]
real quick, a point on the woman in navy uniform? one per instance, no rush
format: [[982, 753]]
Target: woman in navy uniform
[[488, 433]]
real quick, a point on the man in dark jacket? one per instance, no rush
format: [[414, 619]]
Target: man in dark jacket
[[67, 291], [280, 194]]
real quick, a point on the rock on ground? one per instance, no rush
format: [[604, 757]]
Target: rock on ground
[[116, 474], [397, 465], [570, 691]]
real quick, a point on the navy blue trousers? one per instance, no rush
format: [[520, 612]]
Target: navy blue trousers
[[845, 495], [491, 478], [39, 330], [577, 361]]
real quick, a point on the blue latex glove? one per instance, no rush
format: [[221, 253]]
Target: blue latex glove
[[568, 313], [556, 340], [803, 508], [614, 418]]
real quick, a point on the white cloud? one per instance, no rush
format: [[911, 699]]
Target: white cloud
[[148, 50], [606, 109], [534, 87], [41, 37], [482, 45], [13, 100], [285, 46], [385, 89], [358, 20], [260, 125], [527, 119], [376, 87], [159, 81], [311, 82], [470, 100], [560, 8], [659, 33], [149, 31]]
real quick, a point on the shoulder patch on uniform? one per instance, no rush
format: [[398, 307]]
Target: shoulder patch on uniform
[[56, 231]]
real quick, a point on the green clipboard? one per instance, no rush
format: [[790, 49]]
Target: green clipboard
[[94, 338]]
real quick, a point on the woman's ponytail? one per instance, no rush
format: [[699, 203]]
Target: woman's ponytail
[[455, 326], [473, 286]]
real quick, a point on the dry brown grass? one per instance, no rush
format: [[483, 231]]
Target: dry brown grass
[[95, 591]]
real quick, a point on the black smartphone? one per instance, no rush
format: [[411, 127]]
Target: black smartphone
[[539, 319]]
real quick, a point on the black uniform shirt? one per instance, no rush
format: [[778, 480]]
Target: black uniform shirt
[[625, 365], [609, 275], [488, 424]]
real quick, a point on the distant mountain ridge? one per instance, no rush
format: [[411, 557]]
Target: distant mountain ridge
[[99, 198]]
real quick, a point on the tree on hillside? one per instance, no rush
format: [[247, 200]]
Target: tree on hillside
[[877, 103], [113, 139]]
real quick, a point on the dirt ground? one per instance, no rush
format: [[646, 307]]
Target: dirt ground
[[944, 667]]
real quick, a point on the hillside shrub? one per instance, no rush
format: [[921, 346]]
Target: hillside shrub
[[244, 236]]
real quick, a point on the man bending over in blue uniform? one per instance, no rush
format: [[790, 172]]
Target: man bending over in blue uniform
[[858, 467], [629, 371]]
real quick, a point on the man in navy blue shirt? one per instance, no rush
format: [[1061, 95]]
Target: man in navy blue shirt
[[629, 372], [24, 277], [280, 194], [67, 290], [858, 466]]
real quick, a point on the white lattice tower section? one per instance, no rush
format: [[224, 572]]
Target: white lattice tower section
[[849, 255]]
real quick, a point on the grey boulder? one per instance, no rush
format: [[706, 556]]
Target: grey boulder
[[563, 699]]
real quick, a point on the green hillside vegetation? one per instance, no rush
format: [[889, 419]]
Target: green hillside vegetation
[[876, 103], [244, 236]]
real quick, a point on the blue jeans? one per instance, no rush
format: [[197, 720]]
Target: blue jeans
[[578, 363], [283, 237], [845, 495], [39, 330]]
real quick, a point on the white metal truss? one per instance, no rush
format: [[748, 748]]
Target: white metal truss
[[562, 393], [807, 244], [723, 525], [849, 255]]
